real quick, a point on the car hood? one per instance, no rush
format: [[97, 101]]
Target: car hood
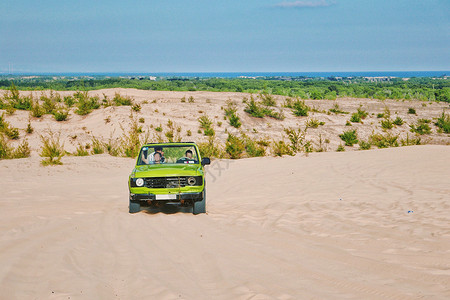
[[164, 170]]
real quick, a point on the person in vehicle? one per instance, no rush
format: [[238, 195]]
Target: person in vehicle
[[148, 159], [157, 158]]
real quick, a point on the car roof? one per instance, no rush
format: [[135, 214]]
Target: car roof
[[171, 144]]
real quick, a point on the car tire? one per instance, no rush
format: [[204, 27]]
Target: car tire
[[134, 207], [200, 206]]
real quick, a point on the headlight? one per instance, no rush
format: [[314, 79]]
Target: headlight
[[191, 180], [139, 182]]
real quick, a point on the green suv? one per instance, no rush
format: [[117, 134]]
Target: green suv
[[168, 173]]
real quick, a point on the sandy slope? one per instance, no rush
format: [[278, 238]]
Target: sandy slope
[[326, 226], [160, 106]]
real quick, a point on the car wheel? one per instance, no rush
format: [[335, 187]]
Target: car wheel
[[134, 207], [200, 206]]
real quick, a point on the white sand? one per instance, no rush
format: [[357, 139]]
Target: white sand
[[327, 226]]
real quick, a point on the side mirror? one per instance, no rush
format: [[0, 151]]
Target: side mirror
[[205, 161]]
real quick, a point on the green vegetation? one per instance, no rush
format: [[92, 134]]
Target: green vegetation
[[259, 110], [349, 137], [234, 146], [52, 149], [398, 121], [387, 123], [364, 145], [383, 141], [312, 88], [411, 111], [11, 132], [206, 124], [443, 122], [340, 148], [299, 108], [313, 123], [231, 114], [336, 110], [358, 115], [421, 127]]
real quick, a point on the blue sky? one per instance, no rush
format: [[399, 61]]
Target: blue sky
[[224, 35]]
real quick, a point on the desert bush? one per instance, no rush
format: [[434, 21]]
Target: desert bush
[[340, 148], [69, 101], [173, 132], [11, 132], [443, 122], [81, 151], [280, 148], [136, 107], [421, 127], [60, 114], [22, 151], [188, 132], [52, 149], [120, 100], [131, 141], [98, 147], [252, 148], [5, 149], [85, 104], [158, 128], [210, 148], [231, 113], [349, 137], [313, 123], [387, 123], [234, 146], [29, 129], [191, 99], [411, 111], [111, 146], [299, 108], [267, 99], [410, 141], [336, 110], [297, 139], [355, 118], [141, 120], [380, 116], [206, 124], [253, 109], [398, 121], [183, 99], [37, 110], [383, 141], [363, 145]]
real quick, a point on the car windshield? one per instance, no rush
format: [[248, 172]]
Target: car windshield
[[168, 154]]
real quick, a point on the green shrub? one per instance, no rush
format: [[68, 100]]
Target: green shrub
[[206, 124], [383, 141], [22, 151], [191, 99], [280, 148], [234, 146], [210, 148], [52, 149], [411, 111], [267, 100], [349, 137], [60, 114], [336, 110], [297, 139], [85, 104], [29, 129], [253, 109], [363, 145], [81, 151], [141, 120], [69, 101], [12, 133], [443, 122], [252, 148], [340, 148], [37, 110], [5, 149], [158, 129], [355, 118], [380, 116], [98, 147], [136, 107], [120, 100], [421, 127], [398, 121], [387, 124], [314, 123], [410, 141], [300, 109]]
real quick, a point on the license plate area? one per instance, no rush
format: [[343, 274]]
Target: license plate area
[[166, 197]]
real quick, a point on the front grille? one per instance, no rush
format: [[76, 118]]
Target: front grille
[[164, 182]]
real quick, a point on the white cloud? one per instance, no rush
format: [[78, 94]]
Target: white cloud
[[304, 4]]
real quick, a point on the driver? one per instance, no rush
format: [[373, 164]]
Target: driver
[[188, 154]]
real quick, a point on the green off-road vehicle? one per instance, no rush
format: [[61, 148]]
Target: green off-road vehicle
[[168, 173]]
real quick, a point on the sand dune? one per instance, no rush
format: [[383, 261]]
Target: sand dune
[[352, 225]]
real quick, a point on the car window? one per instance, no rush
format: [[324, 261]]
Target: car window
[[169, 154]]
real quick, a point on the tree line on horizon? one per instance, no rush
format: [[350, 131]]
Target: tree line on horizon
[[426, 89]]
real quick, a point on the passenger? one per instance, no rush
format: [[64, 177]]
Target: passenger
[[157, 158], [158, 149]]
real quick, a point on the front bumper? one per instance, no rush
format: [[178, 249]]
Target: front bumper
[[179, 197]]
